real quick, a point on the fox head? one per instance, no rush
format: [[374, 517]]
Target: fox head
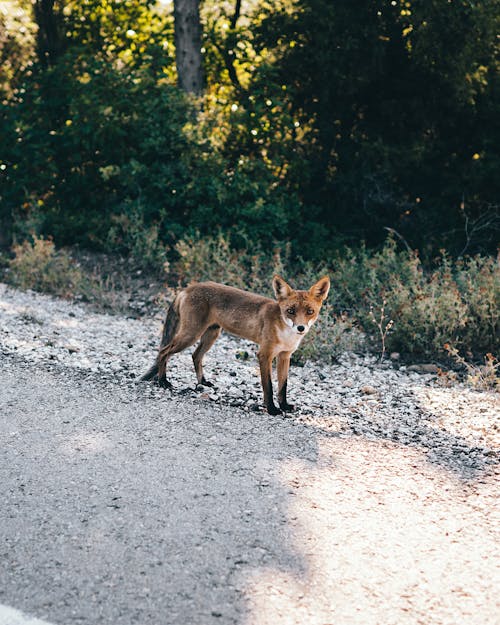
[[300, 309]]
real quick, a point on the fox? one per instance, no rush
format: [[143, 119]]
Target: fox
[[203, 309]]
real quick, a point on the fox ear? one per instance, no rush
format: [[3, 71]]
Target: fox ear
[[320, 290], [282, 290]]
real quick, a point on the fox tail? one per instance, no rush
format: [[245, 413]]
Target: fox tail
[[169, 330]]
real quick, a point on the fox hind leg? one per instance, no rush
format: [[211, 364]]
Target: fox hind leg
[[176, 345], [208, 338]]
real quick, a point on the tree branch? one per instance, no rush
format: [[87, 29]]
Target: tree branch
[[226, 52], [236, 14], [400, 237]]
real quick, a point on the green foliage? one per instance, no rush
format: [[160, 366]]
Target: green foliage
[[37, 265], [215, 258], [323, 124], [102, 149], [396, 106], [81, 165], [455, 302]]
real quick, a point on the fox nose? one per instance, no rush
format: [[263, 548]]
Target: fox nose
[[300, 328]]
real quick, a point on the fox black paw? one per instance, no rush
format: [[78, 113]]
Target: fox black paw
[[287, 407], [164, 383], [205, 382], [273, 410]]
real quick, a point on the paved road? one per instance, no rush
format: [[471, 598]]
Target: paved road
[[120, 508]]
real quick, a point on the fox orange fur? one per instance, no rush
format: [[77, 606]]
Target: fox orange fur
[[202, 310]]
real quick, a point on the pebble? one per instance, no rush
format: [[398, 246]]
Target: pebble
[[424, 368]]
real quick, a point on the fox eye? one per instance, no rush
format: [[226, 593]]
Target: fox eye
[[291, 311], [310, 311]]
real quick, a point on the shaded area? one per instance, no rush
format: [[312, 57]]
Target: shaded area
[[120, 509]]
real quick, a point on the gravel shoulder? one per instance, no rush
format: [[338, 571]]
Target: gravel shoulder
[[124, 503]]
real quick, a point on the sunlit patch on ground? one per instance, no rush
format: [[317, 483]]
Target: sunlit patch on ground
[[461, 411], [386, 538], [10, 616]]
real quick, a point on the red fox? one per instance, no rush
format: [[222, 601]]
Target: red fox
[[202, 310]]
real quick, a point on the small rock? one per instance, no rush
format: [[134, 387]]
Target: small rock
[[395, 355], [424, 368], [368, 390]]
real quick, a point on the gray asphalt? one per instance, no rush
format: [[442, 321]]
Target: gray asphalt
[[119, 507], [123, 504]]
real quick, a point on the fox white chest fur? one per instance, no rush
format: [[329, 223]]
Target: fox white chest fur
[[288, 340]]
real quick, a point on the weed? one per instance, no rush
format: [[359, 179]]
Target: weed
[[37, 265], [129, 232], [481, 377], [383, 327]]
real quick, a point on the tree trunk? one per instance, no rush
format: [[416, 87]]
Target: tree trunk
[[50, 40], [188, 45]]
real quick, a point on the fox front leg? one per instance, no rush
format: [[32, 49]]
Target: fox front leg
[[266, 363], [283, 367]]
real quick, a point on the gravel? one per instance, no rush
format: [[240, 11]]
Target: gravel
[[374, 503], [357, 396]]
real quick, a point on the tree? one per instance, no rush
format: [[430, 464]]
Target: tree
[[396, 104], [188, 45]]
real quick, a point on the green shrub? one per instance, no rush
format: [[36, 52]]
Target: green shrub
[[454, 302], [130, 233], [215, 258], [37, 265], [332, 335]]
